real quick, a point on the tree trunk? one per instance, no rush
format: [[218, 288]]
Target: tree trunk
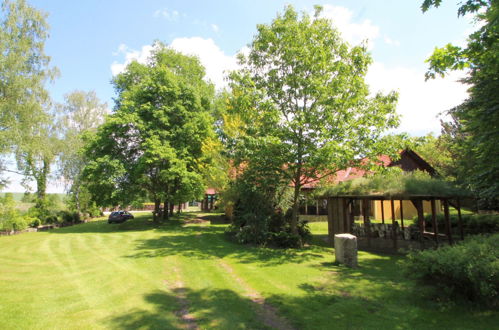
[[172, 206], [157, 210], [179, 208], [165, 210], [296, 209], [41, 180]]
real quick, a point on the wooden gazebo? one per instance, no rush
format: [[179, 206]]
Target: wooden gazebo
[[341, 215]]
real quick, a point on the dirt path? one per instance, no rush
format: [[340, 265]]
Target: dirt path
[[266, 313], [178, 288]]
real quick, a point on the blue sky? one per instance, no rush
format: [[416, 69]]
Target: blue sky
[[90, 40]]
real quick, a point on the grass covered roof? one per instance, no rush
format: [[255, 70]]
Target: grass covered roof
[[395, 183]]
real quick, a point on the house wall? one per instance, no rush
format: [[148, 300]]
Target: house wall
[[407, 207]]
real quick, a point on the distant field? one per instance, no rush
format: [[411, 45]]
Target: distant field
[[18, 196]]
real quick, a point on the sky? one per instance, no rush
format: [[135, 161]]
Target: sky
[[93, 40]]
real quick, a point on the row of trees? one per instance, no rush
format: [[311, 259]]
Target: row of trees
[[472, 133], [298, 109], [36, 131]]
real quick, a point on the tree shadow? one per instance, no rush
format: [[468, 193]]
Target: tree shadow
[[376, 295], [206, 308], [373, 296], [209, 242], [142, 222]]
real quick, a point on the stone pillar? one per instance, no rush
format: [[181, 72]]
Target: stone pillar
[[345, 249]]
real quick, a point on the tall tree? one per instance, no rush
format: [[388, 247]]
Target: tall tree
[[24, 69], [475, 123], [302, 99], [80, 115], [36, 155], [153, 143]]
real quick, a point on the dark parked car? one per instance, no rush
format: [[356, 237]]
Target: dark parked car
[[119, 216]]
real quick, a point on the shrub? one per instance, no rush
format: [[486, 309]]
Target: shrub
[[35, 223], [469, 269], [10, 217], [472, 223], [51, 219], [68, 217]]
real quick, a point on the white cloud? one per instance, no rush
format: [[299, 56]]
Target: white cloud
[[420, 101], [140, 56], [215, 61], [122, 48], [170, 15], [214, 27], [354, 33], [419, 104], [390, 41]]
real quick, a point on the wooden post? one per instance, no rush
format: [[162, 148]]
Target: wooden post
[[401, 215], [344, 205], [367, 224], [306, 207], [330, 229], [461, 230], [382, 211], [434, 220], [351, 219], [418, 204], [394, 230], [448, 228]]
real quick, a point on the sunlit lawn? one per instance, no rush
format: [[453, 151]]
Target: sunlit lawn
[[138, 275]]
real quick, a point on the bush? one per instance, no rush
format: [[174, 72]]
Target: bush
[[472, 223], [68, 217], [10, 217], [469, 269], [35, 223]]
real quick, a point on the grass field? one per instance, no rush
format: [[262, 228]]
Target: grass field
[[138, 275]]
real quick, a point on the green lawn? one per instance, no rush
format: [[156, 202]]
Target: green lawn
[[137, 275]]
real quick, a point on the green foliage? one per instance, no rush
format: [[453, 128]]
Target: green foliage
[[80, 116], [395, 182], [152, 146], [10, 217], [24, 69], [437, 151], [270, 222], [472, 223], [301, 100], [469, 269], [473, 130], [24, 102]]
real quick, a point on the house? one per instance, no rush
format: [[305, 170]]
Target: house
[[210, 196], [409, 161]]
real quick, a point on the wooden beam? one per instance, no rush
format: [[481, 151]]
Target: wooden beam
[[344, 206], [367, 224], [394, 230], [382, 212], [434, 220], [448, 228], [330, 229], [401, 214], [461, 230]]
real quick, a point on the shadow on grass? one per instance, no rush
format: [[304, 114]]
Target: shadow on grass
[[374, 296], [209, 242], [206, 308], [377, 295], [141, 222]]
